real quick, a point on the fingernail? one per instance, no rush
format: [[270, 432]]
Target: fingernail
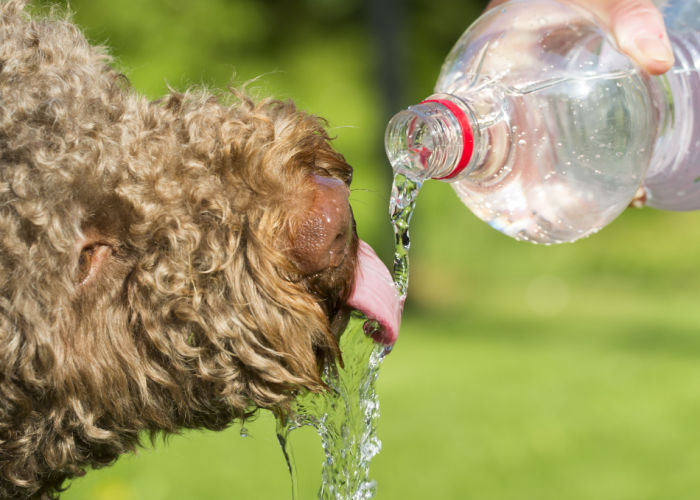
[[656, 48]]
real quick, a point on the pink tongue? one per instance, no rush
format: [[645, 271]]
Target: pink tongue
[[375, 295]]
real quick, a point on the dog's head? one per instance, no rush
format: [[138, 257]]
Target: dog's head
[[162, 264]]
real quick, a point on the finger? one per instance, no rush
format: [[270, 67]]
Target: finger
[[639, 29]]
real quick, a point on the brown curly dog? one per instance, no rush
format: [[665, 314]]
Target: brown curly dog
[[163, 265]]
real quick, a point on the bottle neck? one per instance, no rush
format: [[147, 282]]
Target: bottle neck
[[432, 140]]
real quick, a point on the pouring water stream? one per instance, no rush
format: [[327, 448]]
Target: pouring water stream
[[345, 416]]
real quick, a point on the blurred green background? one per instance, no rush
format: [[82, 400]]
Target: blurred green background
[[522, 372]]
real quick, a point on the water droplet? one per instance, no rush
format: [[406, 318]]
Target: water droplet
[[522, 142]]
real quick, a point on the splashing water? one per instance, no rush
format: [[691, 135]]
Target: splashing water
[[346, 415]]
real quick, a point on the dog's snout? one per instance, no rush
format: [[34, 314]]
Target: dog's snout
[[325, 234]]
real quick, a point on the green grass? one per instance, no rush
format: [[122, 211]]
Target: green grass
[[475, 410]]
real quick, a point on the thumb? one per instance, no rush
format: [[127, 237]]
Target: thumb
[[639, 29]]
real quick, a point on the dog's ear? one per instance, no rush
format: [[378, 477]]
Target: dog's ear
[[103, 232], [94, 251]]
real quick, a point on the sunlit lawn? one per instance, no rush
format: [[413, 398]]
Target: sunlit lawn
[[482, 415]]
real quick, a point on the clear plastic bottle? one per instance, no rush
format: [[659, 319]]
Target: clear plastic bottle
[[547, 131]]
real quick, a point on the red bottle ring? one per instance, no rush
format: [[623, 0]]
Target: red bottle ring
[[467, 136]]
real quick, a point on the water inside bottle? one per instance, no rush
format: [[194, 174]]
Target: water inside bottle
[[569, 146], [566, 157], [672, 182]]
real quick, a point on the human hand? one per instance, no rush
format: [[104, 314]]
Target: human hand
[[638, 28]]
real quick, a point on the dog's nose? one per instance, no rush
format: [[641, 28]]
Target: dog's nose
[[323, 238]]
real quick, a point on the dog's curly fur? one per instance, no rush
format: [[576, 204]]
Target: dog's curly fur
[[198, 315]]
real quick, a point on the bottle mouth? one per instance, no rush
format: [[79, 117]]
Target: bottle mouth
[[466, 132], [431, 140]]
